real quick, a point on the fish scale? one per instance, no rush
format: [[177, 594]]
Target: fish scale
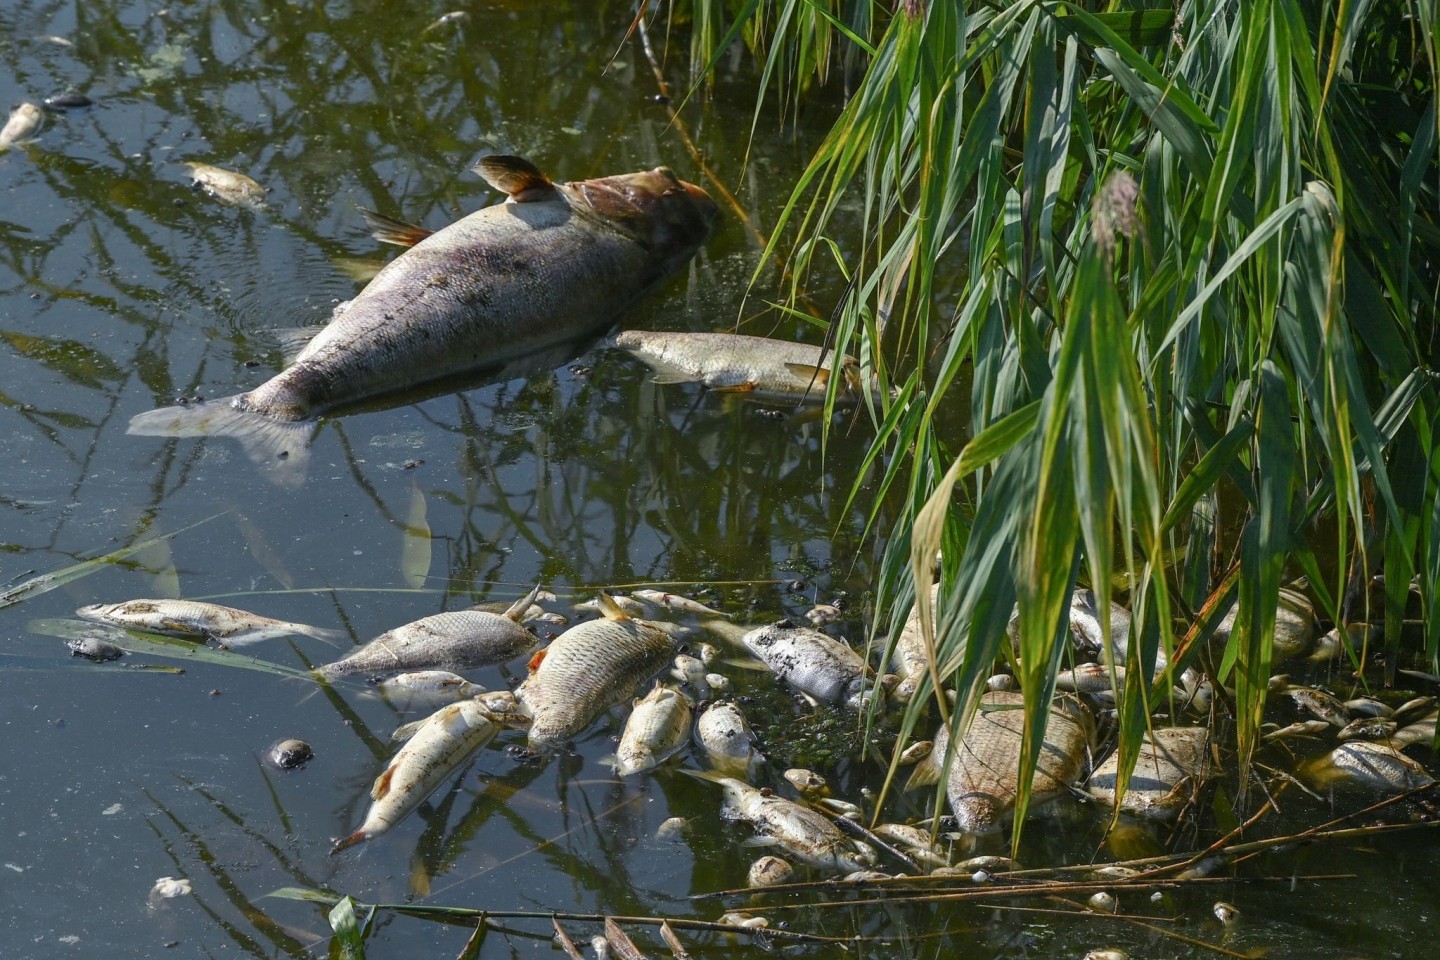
[[587, 669]]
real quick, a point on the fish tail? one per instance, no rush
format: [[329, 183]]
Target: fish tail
[[325, 634], [280, 448], [345, 843]]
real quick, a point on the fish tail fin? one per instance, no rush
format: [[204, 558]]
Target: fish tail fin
[[325, 634], [710, 775], [518, 608], [345, 843], [280, 448], [925, 774]]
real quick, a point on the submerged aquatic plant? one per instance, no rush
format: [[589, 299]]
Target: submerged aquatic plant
[[1178, 266]]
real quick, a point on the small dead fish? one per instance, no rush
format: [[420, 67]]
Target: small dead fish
[[1170, 763], [757, 367], [197, 620], [911, 658], [1412, 710], [718, 683], [803, 833], [444, 740], [768, 871], [432, 688], [586, 669], [726, 740], [1302, 728], [675, 602], [812, 662], [1367, 728], [1225, 913], [1367, 707], [1319, 704], [691, 670], [656, 730], [823, 613], [1091, 678], [1372, 766], [807, 783], [289, 754], [24, 121], [93, 648], [1418, 731], [458, 640], [671, 829], [227, 186], [628, 605]]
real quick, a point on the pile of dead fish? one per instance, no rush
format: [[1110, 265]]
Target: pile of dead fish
[[639, 652]]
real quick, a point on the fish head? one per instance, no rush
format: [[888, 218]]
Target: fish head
[[670, 217], [977, 813]]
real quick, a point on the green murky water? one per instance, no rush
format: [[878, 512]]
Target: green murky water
[[123, 289]]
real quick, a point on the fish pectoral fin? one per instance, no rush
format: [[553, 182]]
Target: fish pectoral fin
[[810, 373], [516, 176], [407, 730], [392, 230], [382, 784], [293, 340], [759, 840]]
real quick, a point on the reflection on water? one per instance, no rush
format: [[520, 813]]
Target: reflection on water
[[123, 289]]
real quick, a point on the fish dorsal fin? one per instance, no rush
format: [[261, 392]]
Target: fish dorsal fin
[[609, 608], [516, 176], [519, 607], [390, 230]]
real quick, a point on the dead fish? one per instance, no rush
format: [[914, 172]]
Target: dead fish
[[658, 727], [804, 834], [811, 662], [1171, 762], [93, 648], [1319, 704], [1295, 625], [443, 741], [586, 669], [768, 871], [1090, 678], [675, 602], [910, 660], [197, 620], [1302, 728], [227, 186], [756, 367], [1418, 731], [458, 640], [691, 670], [807, 783], [431, 688], [823, 613], [24, 121], [1367, 728], [1371, 766], [984, 771], [726, 740], [554, 262], [1089, 634]]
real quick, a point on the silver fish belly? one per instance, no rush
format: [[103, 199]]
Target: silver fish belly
[[726, 740], [458, 640], [810, 661], [658, 726], [192, 618]]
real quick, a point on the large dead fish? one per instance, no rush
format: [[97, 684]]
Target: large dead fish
[[1172, 761], [586, 669], [814, 663], [458, 640], [984, 773], [199, 620], [757, 367], [555, 261], [437, 747]]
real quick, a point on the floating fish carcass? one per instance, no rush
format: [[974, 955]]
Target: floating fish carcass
[[803, 833], [756, 367], [197, 620], [438, 746], [554, 262], [658, 727], [227, 186], [911, 658], [1371, 766], [1170, 764], [458, 640], [586, 669], [24, 121], [1295, 625], [431, 688], [811, 662], [984, 771], [726, 740]]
